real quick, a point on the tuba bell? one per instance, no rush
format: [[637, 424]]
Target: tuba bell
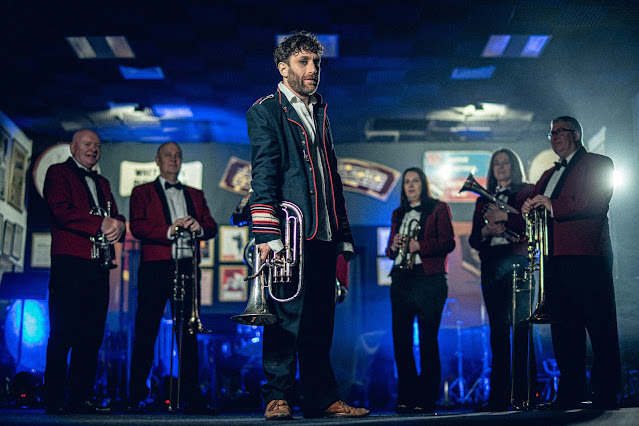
[[284, 269]]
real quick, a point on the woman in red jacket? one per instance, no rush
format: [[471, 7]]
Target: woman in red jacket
[[421, 238]]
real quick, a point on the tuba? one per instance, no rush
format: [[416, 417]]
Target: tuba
[[101, 249], [408, 258], [285, 269], [193, 325], [473, 186]]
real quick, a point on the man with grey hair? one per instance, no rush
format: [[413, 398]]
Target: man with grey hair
[[576, 194]]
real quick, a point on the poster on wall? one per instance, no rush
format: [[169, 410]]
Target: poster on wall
[[237, 176], [232, 287], [5, 155], [206, 287], [232, 243], [18, 234], [448, 170], [17, 174], [40, 250], [7, 242], [207, 252]]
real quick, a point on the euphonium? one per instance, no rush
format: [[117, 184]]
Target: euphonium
[[537, 233], [411, 232], [101, 249], [285, 268], [473, 186]]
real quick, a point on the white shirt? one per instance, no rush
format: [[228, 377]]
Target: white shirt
[[554, 179], [90, 183], [177, 208]]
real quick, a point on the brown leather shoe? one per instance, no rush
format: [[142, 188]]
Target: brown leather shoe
[[278, 409], [341, 409]]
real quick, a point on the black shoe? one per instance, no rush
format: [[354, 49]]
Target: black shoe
[[600, 404], [89, 407], [403, 409], [133, 407], [419, 409], [559, 405]]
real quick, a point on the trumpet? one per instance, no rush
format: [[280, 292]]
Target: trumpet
[[101, 249], [194, 325], [285, 269], [473, 186], [408, 258]]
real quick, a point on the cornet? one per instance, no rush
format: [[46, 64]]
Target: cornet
[[411, 232], [288, 268], [473, 186], [101, 249], [194, 324]]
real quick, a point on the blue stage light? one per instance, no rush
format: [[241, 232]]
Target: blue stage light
[[29, 351]]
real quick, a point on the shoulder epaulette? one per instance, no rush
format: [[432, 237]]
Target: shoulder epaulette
[[260, 100]]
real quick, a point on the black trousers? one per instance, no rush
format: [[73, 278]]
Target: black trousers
[[497, 289], [78, 304], [155, 287], [304, 330], [583, 297], [415, 294]]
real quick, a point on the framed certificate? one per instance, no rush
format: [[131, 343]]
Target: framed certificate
[[17, 177], [40, 250], [7, 242], [16, 247]]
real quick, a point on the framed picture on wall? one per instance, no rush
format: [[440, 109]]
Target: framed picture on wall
[[1, 233], [232, 243], [232, 287], [207, 252], [206, 287], [18, 234], [5, 154], [40, 250], [17, 176], [7, 243]]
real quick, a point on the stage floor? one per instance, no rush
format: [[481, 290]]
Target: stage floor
[[623, 416]]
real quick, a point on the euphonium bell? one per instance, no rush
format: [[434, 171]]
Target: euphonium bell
[[285, 268]]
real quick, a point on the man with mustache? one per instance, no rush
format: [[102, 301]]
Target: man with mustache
[[293, 159]]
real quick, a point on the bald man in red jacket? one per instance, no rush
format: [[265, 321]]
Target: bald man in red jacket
[[79, 284]]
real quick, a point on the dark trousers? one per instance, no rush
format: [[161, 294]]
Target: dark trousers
[[155, 287], [78, 303], [415, 294], [497, 289], [304, 329], [583, 297]]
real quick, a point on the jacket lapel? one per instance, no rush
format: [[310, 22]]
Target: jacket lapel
[[165, 205]]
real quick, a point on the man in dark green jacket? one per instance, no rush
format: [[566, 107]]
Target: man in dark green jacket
[[293, 159]]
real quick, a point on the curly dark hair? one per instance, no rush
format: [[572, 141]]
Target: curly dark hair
[[404, 204], [294, 43]]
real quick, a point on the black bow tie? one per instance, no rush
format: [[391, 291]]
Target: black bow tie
[[90, 173], [560, 164], [416, 208], [177, 186]]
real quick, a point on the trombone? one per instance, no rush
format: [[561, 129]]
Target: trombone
[[194, 325], [285, 269], [537, 253]]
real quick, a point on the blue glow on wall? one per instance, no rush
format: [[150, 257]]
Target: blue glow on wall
[[30, 351]]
